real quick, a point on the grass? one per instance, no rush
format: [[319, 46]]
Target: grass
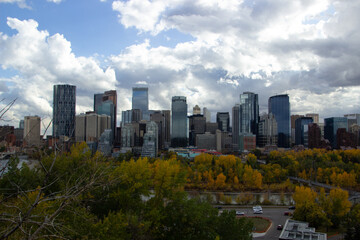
[[260, 224]]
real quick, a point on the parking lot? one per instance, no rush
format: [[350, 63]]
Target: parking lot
[[274, 214]]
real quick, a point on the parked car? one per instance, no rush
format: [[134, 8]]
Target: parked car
[[292, 208], [279, 227], [239, 213]]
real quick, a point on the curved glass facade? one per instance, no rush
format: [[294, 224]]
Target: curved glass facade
[[280, 106]]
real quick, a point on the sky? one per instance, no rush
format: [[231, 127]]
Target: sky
[[210, 51]]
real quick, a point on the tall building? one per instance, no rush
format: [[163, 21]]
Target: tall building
[[140, 99], [150, 148], [249, 113], [301, 127], [314, 116], [196, 110], [197, 125], [32, 131], [106, 103], [64, 102], [353, 119], [167, 130], [279, 105], [207, 114], [223, 121], [292, 133], [314, 136], [331, 126], [89, 127], [159, 118], [236, 125], [179, 121], [268, 132]]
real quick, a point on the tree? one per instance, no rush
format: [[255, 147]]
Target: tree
[[352, 223], [231, 228], [65, 179], [220, 181]]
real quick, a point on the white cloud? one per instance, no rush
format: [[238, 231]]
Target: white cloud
[[269, 47], [20, 3], [55, 1], [42, 61]]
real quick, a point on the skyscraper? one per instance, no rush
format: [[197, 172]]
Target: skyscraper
[[106, 103], [223, 121], [64, 102], [268, 132], [179, 121], [301, 125], [207, 114], [279, 105], [235, 125], [249, 113], [140, 99], [331, 126]]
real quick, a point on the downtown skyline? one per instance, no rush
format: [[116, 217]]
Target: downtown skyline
[[208, 51]]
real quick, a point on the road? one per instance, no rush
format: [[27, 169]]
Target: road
[[274, 214]]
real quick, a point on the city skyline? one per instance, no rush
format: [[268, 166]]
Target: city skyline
[[208, 51]]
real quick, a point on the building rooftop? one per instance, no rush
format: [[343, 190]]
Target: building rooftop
[[300, 231]]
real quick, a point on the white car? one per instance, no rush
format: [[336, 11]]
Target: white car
[[257, 210], [239, 213]]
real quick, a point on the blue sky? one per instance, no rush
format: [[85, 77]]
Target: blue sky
[[207, 50]]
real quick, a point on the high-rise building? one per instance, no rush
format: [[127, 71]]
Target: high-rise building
[[140, 99], [279, 105], [268, 132], [89, 127], [301, 127], [207, 114], [249, 113], [292, 133], [106, 103], [167, 135], [331, 126], [64, 103], [314, 136], [236, 126], [150, 148], [179, 121], [314, 116], [159, 118], [32, 131], [223, 121], [197, 125], [353, 119], [196, 110]]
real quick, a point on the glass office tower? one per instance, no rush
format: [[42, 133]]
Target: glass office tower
[[64, 101], [235, 124], [279, 106], [331, 126], [140, 99], [249, 113], [223, 121], [300, 127], [179, 121], [106, 103]]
